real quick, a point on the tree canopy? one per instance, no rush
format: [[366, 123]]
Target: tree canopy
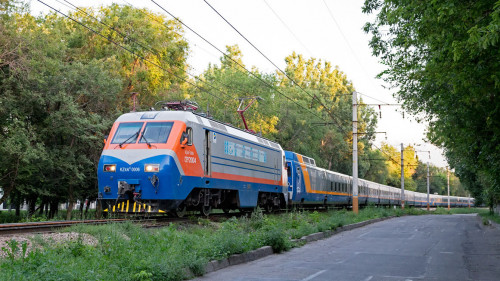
[[443, 61], [63, 82]]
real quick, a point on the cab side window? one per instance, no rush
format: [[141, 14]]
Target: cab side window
[[187, 135], [189, 131]]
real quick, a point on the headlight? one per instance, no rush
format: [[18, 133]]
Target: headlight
[[110, 168], [152, 168]]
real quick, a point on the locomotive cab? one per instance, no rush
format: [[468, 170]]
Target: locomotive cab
[[137, 154]]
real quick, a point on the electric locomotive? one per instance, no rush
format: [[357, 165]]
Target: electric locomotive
[[178, 160]]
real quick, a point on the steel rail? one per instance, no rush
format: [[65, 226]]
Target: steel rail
[[13, 228]]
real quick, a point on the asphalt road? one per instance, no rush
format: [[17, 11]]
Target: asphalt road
[[433, 247]]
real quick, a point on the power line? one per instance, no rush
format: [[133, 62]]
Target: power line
[[289, 30], [383, 102], [124, 36], [155, 19], [236, 62], [350, 47], [300, 42], [295, 83], [390, 157], [126, 49], [303, 45]]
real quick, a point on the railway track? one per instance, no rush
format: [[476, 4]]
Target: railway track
[[27, 227], [145, 222], [150, 222]]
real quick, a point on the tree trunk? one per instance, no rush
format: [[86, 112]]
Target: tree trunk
[[71, 204], [54, 206], [98, 210], [81, 209], [18, 207], [40, 209], [87, 206], [32, 206]]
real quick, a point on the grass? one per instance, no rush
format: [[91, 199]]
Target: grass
[[126, 251], [10, 216]]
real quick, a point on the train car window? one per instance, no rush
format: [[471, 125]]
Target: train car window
[[127, 132], [331, 186], [156, 132]]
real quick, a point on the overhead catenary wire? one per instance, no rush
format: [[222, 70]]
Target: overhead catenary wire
[[277, 67], [151, 49], [237, 63], [146, 60], [288, 28], [310, 53], [350, 47], [126, 49], [155, 19]]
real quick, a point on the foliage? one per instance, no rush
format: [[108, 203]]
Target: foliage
[[394, 165], [62, 87], [442, 58], [125, 251]]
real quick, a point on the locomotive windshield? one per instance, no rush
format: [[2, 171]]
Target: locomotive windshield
[[127, 132], [156, 132]]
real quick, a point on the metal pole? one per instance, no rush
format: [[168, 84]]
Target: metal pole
[[354, 153], [448, 170], [428, 208], [469, 200], [402, 178]]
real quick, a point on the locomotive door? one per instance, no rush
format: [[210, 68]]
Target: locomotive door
[[298, 182], [290, 180], [276, 171], [207, 160]]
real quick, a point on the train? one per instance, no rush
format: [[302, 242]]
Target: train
[[176, 160]]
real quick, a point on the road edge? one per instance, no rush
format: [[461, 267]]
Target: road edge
[[267, 250]]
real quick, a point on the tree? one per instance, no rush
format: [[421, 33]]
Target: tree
[[442, 58], [324, 89], [62, 87], [393, 163]]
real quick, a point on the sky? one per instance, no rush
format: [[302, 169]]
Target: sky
[[330, 30]]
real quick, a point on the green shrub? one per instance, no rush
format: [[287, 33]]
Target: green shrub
[[277, 239]]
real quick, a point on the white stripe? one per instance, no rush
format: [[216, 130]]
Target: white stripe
[[313, 276], [131, 156]]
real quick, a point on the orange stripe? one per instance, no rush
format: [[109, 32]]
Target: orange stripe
[[224, 176], [307, 180], [330, 192]]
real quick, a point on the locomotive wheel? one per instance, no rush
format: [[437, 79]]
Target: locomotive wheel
[[180, 211], [269, 207], [205, 210]]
